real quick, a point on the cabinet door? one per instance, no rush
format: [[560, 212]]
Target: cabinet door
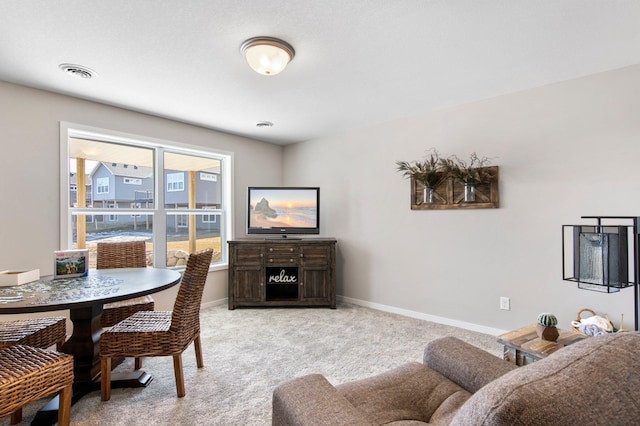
[[248, 284], [315, 255], [315, 284]]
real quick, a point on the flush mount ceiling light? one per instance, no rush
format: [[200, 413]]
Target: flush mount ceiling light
[[267, 55], [77, 71]]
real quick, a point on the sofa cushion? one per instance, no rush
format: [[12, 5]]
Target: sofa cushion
[[409, 394], [595, 381]]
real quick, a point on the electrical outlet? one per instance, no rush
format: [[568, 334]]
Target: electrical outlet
[[505, 303]]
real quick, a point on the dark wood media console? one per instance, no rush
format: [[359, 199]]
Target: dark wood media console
[[283, 272]]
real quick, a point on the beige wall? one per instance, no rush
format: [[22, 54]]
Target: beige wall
[[564, 151], [29, 172]]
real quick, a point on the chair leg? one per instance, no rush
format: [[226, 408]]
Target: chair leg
[[198, 347], [137, 363], [64, 406], [105, 379], [177, 370], [16, 416]]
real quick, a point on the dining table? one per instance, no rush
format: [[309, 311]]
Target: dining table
[[84, 297]]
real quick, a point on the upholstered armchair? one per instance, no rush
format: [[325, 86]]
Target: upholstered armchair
[[594, 381]]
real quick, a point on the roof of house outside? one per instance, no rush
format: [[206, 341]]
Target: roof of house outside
[[129, 170]]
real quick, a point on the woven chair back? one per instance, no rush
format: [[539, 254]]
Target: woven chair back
[[123, 254], [185, 319]]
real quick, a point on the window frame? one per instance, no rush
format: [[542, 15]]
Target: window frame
[[159, 211], [100, 184], [131, 181], [175, 185], [207, 218]]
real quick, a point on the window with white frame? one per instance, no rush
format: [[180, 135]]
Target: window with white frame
[[112, 217], [102, 185], [132, 181], [209, 218], [136, 206], [175, 182], [173, 219], [208, 176]]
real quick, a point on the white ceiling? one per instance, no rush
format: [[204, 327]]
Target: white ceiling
[[357, 63]]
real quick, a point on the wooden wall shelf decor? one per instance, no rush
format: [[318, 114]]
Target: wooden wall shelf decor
[[450, 195]]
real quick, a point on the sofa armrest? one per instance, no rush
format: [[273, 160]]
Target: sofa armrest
[[468, 366], [312, 400]]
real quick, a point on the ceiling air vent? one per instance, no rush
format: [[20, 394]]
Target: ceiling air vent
[[77, 71]]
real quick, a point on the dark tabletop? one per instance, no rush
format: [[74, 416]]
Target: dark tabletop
[[99, 286]]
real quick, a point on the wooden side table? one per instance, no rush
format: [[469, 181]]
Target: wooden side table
[[523, 346]]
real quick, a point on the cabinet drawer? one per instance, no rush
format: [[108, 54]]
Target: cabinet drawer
[[282, 249], [247, 255], [273, 259]]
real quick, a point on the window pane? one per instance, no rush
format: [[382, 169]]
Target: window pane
[[205, 235], [111, 228], [111, 182], [115, 175], [192, 182]]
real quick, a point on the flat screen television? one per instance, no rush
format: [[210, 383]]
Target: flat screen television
[[283, 210]]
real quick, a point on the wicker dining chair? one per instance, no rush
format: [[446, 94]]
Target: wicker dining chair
[[123, 254], [28, 374], [39, 332], [161, 333]]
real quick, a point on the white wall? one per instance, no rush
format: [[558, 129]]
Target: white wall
[[29, 172], [564, 151]]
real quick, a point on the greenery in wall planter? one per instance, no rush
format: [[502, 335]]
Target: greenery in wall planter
[[429, 172], [470, 173], [451, 183], [474, 171]]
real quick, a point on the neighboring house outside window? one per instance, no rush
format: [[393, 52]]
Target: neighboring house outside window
[[190, 213]]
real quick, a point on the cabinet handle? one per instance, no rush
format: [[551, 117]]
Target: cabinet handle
[[261, 283], [261, 255], [301, 283], [291, 249], [270, 248], [301, 255], [291, 260], [271, 260]]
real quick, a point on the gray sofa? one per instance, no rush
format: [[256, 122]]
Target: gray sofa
[[593, 382]]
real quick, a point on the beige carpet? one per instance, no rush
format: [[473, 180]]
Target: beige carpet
[[247, 352]]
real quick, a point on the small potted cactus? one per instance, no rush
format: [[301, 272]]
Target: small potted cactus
[[546, 327]]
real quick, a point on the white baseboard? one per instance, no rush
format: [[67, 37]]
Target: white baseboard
[[403, 312], [422, 316]]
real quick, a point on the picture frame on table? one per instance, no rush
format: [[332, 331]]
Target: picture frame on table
[[71, 263]]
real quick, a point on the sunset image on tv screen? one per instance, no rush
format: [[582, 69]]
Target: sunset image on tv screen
[[283, 208]]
